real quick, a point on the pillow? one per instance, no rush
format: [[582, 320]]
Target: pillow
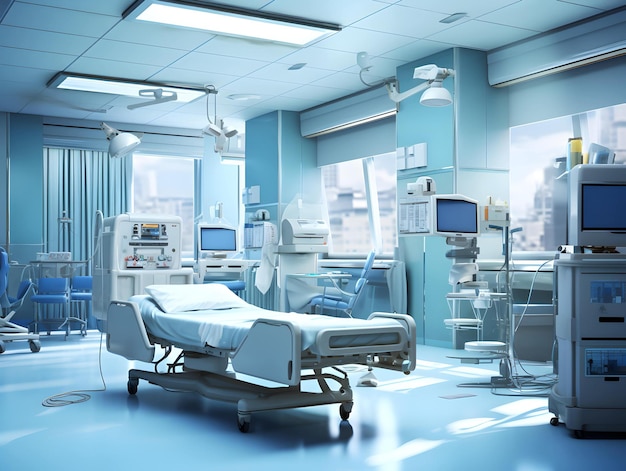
[[178, 298]]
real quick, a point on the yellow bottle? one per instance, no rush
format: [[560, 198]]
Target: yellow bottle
[[574, 152]]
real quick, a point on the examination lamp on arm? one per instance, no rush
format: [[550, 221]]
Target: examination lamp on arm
[[120, 143], [434, 92]]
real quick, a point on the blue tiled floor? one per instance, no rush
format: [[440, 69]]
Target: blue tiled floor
[[423, 421]]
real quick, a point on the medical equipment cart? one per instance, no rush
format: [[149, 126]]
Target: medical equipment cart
[[590, 394]]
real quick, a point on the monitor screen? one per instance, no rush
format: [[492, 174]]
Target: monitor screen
[[597, 215], [602, 207], [217, 239], [455, 215]]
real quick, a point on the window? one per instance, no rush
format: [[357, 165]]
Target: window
[[361, 196], [165, 185], [538, 197]]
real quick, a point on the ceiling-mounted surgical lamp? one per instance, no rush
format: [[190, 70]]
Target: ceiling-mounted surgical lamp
[[434, 92], [216, 128], [120, 143]]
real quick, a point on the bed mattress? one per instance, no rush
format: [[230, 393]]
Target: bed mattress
[[227, 328]]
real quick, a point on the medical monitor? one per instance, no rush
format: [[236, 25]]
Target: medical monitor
[[597, 213], [216, 240], [455, 216]]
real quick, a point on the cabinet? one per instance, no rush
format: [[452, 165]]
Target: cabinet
[[590, 394]]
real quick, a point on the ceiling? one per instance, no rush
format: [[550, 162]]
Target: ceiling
[[39, 38]]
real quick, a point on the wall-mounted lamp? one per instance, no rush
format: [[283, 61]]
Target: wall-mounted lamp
[[120, 143], [434, 92]]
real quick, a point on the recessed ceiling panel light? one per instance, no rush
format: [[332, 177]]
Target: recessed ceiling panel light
[[89, 83], [221, 19]]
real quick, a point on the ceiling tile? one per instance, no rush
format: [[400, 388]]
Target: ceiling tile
[[474, 9], [109, 7], [480, 35], [47, 41], [343, 14], [263, 87], [39, 38], [140, 32], [599, 4], [60, 20], [217, 63], [245, 48], [34, 59], [356, 39], [137, 54], [112, 68], [539, 15], [321, 58], [281, 72], [193, 77], [404, 21], [419, 48]]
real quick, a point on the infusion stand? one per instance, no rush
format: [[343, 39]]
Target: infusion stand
[[505, 380]]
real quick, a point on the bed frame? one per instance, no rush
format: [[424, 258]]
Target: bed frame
[[206, 370]]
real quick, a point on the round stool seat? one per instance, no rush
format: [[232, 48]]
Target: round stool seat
[[460, 321], [485, 346]]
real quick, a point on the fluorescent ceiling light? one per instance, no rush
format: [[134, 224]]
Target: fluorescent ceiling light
[[221, 19], [112, 86]]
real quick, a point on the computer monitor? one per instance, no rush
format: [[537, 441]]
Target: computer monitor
[[597, 214], [216, 240], [455, 216]]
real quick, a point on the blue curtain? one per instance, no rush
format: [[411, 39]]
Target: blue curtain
[[77, 184]]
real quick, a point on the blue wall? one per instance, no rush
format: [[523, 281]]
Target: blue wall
[[467, 145], [281, 162], [25, 205]]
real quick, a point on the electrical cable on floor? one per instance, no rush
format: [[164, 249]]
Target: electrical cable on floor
[[77, 396]]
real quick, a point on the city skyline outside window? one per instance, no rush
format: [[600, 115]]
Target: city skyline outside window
[[165, 185], [350, 211], [538, 198]]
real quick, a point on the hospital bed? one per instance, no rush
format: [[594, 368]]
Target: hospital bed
[[233, 351]]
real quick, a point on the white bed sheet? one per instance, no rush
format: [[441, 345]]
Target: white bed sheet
[[226, 328]]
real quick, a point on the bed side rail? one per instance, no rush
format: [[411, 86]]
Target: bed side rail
[[272, 351], [407, 357], [126, 332]]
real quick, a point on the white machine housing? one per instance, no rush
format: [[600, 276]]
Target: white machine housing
[[305, 235], [136, 250]]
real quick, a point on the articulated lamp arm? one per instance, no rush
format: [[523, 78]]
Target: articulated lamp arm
[[431, 73]]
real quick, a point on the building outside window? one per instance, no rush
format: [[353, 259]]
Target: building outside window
[[165, 185], [538, 182], [361, 196]]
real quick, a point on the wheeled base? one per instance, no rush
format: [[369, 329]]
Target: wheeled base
[[251, 397], [33, 341], [581, 420]]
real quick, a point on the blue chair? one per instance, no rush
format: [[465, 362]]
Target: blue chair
[[339, 301], [10, 331], [80, 292], [52, 291]]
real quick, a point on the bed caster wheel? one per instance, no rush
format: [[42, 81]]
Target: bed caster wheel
[[2, 347], [579, 434], [34, 345], [554, 421], [344, 411], [243, 422], [132, 386]]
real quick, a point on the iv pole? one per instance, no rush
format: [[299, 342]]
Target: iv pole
[[506, 363], [505, 380]]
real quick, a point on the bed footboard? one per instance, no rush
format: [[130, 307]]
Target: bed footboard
[[272, 351], [126, 332]]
